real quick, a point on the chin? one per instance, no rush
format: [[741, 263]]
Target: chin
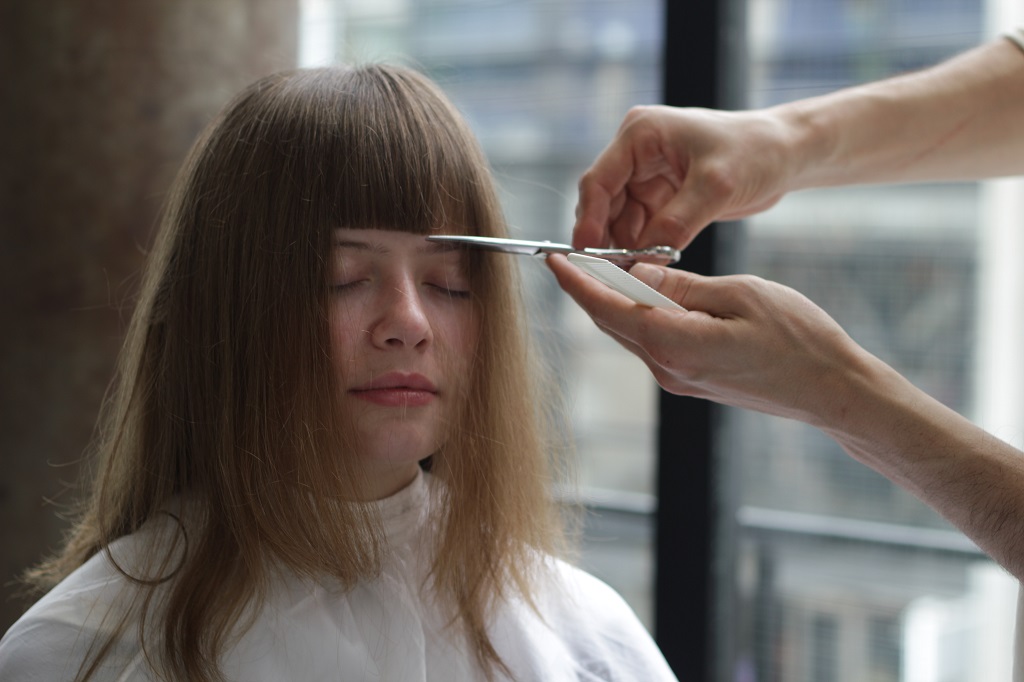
[[399, 448]]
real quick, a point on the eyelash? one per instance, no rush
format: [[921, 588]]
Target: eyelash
[[453, 293], [346, 286], [461, 294]]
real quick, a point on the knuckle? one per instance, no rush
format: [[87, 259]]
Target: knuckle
[[586, 180], [677, 288], [744, 283], [749, 282], [743, 287], [637, 112]]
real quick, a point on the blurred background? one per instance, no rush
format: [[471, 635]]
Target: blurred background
[[814, 568]]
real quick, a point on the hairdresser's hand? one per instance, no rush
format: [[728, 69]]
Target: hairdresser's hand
[[744, 341], [670, 172], [755, 344]]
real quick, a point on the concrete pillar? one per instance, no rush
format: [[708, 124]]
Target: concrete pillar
[[100, 102]]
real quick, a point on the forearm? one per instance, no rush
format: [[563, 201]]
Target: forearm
[[973, 479], [963, 119]]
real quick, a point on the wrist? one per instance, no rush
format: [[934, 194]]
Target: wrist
[[878, 412], [808, 140], [854, 393]]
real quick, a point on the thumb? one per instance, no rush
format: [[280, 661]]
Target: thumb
[[712, 295], [676, 284]]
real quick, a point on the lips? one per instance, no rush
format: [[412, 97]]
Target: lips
[[397, 389]]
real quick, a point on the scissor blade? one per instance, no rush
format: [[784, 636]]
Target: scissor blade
[[520, 246]]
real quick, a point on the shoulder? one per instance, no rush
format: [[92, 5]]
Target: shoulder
[[61, 632], [586, 625], [44, 649], [571, 594], [71, 622]]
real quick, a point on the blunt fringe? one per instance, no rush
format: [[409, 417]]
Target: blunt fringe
[[224, 410]]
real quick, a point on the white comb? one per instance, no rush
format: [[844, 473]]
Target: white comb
[[626, 284]]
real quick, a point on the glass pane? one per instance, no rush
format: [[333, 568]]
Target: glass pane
[[544, 84], [840, 574]]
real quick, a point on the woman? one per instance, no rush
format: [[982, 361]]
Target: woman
[[299, 355]]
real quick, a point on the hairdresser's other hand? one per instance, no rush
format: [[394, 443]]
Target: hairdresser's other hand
[[744, 341], [759, 345], [670, 172]]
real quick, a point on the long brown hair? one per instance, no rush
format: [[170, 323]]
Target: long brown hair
[[225, 396]]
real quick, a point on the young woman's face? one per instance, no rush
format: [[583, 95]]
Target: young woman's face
[[403, 334]]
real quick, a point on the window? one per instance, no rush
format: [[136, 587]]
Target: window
[[839, 575]]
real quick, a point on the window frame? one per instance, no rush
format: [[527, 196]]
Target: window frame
[[695, 516]]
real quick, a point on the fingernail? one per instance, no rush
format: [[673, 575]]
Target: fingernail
[[650, 275]]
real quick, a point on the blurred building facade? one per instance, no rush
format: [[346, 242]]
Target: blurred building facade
[[841, 575]]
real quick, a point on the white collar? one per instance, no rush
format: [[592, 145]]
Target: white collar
[[403, 513]]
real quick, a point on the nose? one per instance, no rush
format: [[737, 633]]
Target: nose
[[401, 320]]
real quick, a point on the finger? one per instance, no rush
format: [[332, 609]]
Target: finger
[[641, 329], [592, 214], [627, 226], [664, 378], [699, 202], [655, 192], [676, 224], [659, 338], [599, 301], [609, 310], [640, 201], [728, 297], [598, 188]]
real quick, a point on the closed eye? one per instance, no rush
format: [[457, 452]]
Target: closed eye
[[453, 292], [339, 287]]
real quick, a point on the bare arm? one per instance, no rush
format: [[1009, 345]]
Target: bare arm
[[972, 478], [759, 345], [963, 119], [670, 172]]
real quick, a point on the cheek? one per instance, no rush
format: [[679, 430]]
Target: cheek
[[468, 331], [345, 336], [465, 333], [461, 334]]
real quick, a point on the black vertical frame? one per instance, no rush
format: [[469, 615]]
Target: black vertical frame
[[703, 50]]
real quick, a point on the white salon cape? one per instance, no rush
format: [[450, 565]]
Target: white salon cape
[[387, 629]]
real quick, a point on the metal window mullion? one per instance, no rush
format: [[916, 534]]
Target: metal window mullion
[[693, 574]]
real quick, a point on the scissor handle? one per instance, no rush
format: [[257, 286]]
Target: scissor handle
[[659, 255]]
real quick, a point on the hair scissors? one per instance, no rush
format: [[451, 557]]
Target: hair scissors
[[661, 255]]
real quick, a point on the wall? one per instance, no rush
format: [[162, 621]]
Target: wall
[[101, 101]]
